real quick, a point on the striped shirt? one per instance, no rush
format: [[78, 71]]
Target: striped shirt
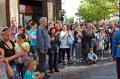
[[3, 72]]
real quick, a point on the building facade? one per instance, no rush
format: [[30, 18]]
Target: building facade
[[3, 20], [23, 10]]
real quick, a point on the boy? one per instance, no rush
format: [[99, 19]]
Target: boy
[[92, 57]]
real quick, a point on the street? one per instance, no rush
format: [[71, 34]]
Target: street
[[103, 70]]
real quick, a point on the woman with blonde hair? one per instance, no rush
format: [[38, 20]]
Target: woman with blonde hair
[[8, 46]]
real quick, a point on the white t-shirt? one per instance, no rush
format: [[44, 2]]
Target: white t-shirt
[[63, 40]]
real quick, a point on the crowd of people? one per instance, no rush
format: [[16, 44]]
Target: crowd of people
[[23, 49]]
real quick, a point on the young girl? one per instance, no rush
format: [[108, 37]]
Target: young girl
[[23, 47], [30, 72], [100, 43], [5, 69]]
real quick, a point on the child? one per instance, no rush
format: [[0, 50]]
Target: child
[[92, 57], [100, 44], [23, 47], [5, 69], [30, 72]]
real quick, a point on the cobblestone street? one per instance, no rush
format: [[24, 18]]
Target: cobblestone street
[[102, 70]]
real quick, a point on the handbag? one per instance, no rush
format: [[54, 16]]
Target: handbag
[[69, 40]]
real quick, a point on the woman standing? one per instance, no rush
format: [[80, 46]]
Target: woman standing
[[33, 41], [71, 35], [78, 43], [64, 48], [8, 46], [52, 52]]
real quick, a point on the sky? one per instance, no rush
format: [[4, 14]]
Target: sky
[[70, 7]]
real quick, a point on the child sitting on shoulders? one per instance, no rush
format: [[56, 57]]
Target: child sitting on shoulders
[[30, 72], [5, 70], [92, 57]]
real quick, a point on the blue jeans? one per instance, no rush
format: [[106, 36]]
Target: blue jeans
[[89, 61], [93, 43], [16, 76], [78, 48], [34, 52], [42, 61], [33, 49], [71, 52]]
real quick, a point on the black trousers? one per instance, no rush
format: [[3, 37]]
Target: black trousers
[[85, 51], [62, 54], [118, 67], [52, 61]]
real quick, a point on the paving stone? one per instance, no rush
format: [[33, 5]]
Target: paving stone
[[105, 70], [72, 75]]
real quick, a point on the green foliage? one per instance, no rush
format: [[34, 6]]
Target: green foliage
[[71, 20], [96, 10]]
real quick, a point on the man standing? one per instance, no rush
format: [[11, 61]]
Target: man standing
[[43, 43], [116, 50]]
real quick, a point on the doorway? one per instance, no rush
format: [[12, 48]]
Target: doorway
[[29, 10]]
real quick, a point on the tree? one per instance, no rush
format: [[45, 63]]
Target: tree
[[96, 10], [71, 20]]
